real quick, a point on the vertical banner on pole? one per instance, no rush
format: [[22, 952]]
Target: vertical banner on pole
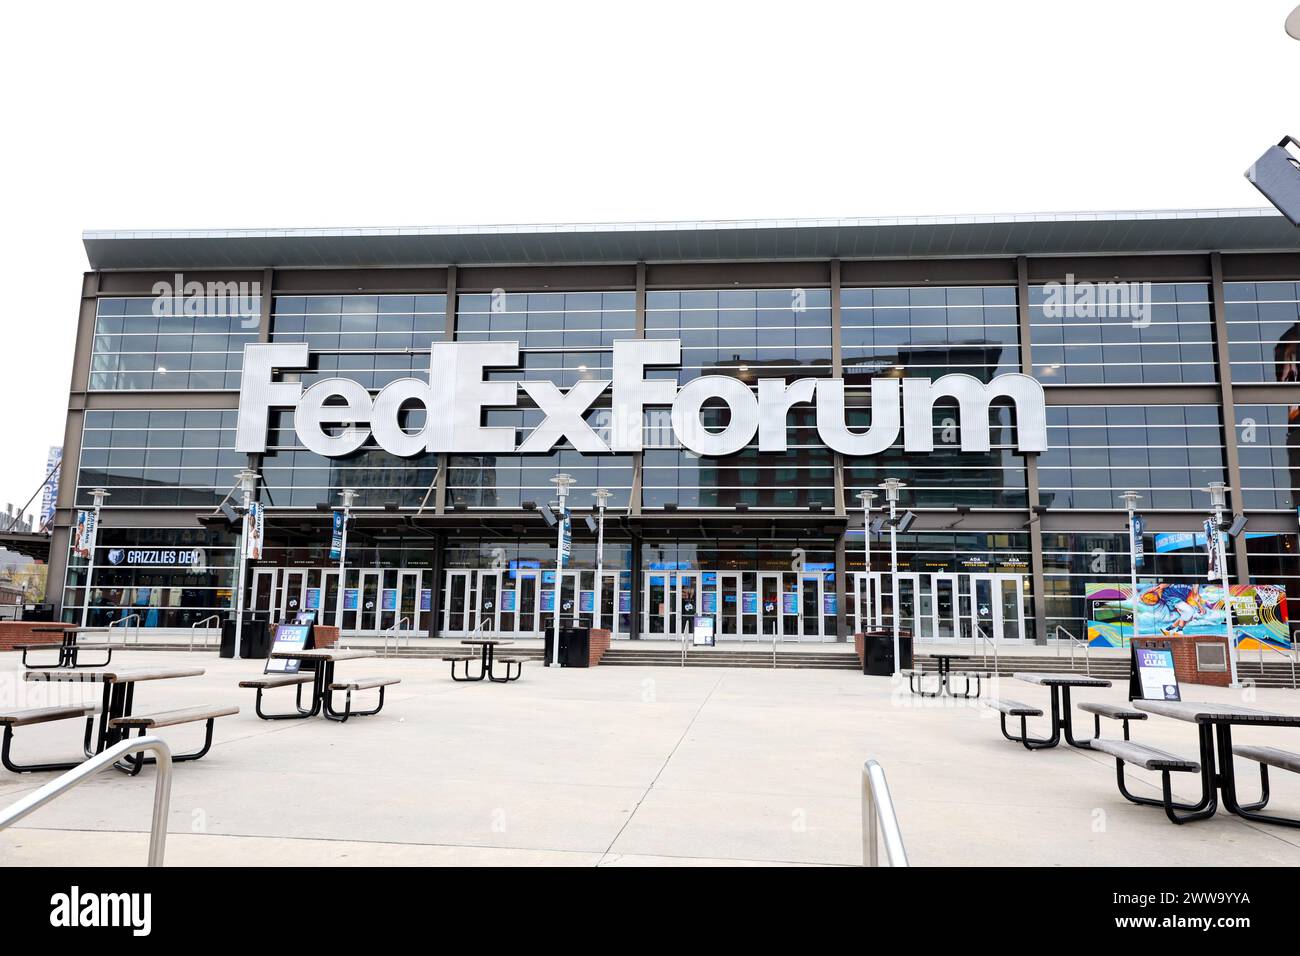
[[336, 538], [254, 526], [1139, 555], [84, 541], [566, 539], [1213, 557]]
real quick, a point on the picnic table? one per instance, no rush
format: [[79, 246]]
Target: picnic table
[[323, 683], [487, 660], [944, 674], [116, 717], [68, 648], [1214, 729], [1059, 685]]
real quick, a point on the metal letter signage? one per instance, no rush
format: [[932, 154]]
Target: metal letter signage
[[336, 416]]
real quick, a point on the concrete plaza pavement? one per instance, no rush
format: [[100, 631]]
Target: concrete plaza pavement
[[623, 766]]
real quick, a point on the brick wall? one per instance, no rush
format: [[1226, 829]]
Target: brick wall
[[598, 645], [1184, 648], [20, 632], [325, 635]]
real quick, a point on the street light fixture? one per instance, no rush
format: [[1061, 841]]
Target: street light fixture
[[562, 483], [866, 497], [97, 496], [1218, 501], [892, 486]]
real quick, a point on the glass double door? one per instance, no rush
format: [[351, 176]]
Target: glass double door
[[372, 601], [746, 605], [522, 601], [956, 607]]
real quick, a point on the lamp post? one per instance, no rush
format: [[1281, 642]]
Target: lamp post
[[562, 483], [247, 481], [892, 486], [1131, 498], [602, 495], [348, 496], [866, 497], [97, 495], [1218, 501]]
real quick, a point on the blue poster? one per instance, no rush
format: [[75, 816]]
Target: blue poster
[[624, 602], [749, 602], [389, 599], [548, 600], [426, 599], [790, 602], [350, 598], [587, 602], [508, 602], [710, 602], [313, 599], [830, 605]]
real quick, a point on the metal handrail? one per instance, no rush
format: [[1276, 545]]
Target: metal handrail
[[395, 629], [121, 622], [197, 624], [162, 793], [878, 814], [683, 647], [1288, 654], [979, 631], [1087, 649]]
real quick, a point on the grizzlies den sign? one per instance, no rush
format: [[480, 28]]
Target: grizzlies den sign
[[334, 417]]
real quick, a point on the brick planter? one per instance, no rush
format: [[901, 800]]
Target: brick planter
[[325, 635], [20, 632], [598, 645]]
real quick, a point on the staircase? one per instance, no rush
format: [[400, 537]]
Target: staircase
[[629, 654]]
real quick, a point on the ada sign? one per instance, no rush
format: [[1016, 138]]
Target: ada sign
[[334, 417]]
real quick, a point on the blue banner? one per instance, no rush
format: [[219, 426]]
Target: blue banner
[[1139, 554], [336, 539]]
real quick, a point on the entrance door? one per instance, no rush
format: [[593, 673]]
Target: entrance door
[[293, 596], [688, 602], [769, 605], [729, 598], [568, 600], [488, 597], [457, 610], [265, 595], [998, 605], [868, 612], [810, 607], [944, 587]]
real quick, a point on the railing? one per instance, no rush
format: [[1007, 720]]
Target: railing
[[979, 632], [1087, 649], [197, 624], [684, 635], [774, 629], [1289, 655], [121, 622], [162, 793], [878, 815], [396, 630]]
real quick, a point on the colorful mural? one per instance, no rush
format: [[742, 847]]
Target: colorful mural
[[1166, 608]]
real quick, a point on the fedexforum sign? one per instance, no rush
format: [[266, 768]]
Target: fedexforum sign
[[335, 416]]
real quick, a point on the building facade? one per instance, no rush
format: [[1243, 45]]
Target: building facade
[[1165, 345]]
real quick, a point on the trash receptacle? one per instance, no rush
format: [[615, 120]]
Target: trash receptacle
[[878, 652], [575, 646], [254, 639]]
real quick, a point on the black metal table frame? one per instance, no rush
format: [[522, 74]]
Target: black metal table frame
[[487, 660], [1217, 781], [945, 680], [1061, 723], [68, 653]]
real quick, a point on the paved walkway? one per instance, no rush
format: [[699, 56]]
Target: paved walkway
[[621, 765]]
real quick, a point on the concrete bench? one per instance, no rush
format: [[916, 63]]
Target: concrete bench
[[1148, 758], [1122, 712], [43, 715], [270, 682], [1267, 757], [357, 684], [170, 718]]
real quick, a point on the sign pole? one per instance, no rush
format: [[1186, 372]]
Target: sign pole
[[98, 494], [1218, 498], [601, 495], [348, 496], [866, 497], [246, 480], [891, 486], [1131, 499], [562, 483]]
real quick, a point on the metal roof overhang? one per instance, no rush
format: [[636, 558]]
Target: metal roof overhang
[[1031, 234]]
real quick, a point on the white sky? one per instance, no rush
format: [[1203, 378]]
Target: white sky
[[259, 114]]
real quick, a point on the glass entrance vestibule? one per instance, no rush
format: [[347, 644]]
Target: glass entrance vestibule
[[746, 605]]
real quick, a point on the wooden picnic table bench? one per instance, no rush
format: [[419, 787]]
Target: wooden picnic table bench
[[43, 715], [323, 684], [171, 718]]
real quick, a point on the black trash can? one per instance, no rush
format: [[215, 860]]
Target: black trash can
[[38, 612], [575, 646], [254, 641], [878, 652]]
